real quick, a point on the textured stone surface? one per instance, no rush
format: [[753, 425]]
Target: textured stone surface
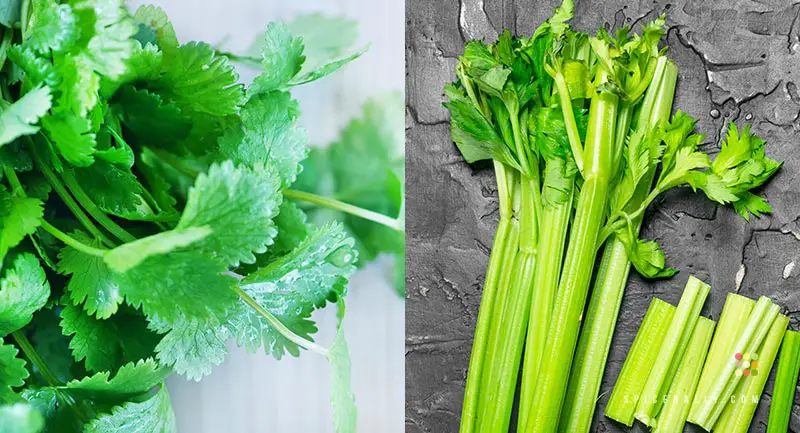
[[739, 60]]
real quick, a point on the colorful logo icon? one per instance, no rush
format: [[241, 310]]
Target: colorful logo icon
[[746, 364]]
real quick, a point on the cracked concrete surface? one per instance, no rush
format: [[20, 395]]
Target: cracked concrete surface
[[739, 61]]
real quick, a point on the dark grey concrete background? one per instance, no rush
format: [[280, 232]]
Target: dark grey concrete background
[[739, 60]]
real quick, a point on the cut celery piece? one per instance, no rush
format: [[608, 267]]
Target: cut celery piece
[[679, 400], [671, 351], [622, 403], [785, 384], [738, 413]]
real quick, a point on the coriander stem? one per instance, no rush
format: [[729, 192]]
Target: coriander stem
[[13, 180], [65, 196], [376, 217], [7, 35], [70, 241], [176, 163], [279, 326], [93, 210]]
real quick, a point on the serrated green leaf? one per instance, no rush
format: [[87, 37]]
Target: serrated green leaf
[[193, 347], [113, 189], [282, 58], [79, 85], [268, 134], [129, 255], [18, 119], [324, 38], [292, 229], [152, 415], [199, 81], [19, 217], [92, 282], [57, 413], [44, 333], [38, 70], [154, 18], [20, 418], [292, 286], [152, 121], [131, 380], [23, 291], [51, 26], [111, 30], [72, 136], [327, 68], [646, 256], [238, 204], [750, 204], [12, 374], [179, 285], [342, 398]]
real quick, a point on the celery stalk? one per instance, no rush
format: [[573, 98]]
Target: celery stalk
[[679, 399], [672, 350], [503, 243], [628, 388], [738, 413], [785, 382], [731, 324], [705, 412], [601, 317], [573, 287]]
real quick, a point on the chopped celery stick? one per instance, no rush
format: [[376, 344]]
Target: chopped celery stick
[[738, 413], [622, 403], [731, 324], [706, 411], [785, 382], [672, 350], [676, 408]]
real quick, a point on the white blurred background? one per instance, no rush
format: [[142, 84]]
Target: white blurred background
[[255, 393]]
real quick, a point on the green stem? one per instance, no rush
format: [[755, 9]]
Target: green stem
[[506, 349], [96, 213], [70, 241], [65, 196], [569, 119], [279, 326], [13, 180], [573, 287], [23, 18], [7, 35], [376, 217], [785, 384], [485, 317], [175, 163], [554, 225]]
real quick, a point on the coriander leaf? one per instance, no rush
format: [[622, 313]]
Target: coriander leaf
[[9, 12], [268, 133], [292, 286], [72, 137], [131, 380], [18, 119], [12, 374], [238, 204], [19, 217], [51, 26], [23, 291], [193, 347], [152, 415], [38, 70], [282, 58], [178, 285], [154, 18], [324, 38], [50, 343], [198, 81], [20, 418], [150, 119], [79, 85], [342, 399], [327, 68], [129, 255], [111, 30], [292, 229], [102, 343], [92, 283], [57, 413], [113, 189]]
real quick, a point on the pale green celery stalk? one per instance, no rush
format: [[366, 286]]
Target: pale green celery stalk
[[551, 383], [676, 408], [785, 384], [731, 324], [738, 413], [554, 225], [628, 387], [601, 318], [504, 245], [706, 411], [672, 350], [498, 391]]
